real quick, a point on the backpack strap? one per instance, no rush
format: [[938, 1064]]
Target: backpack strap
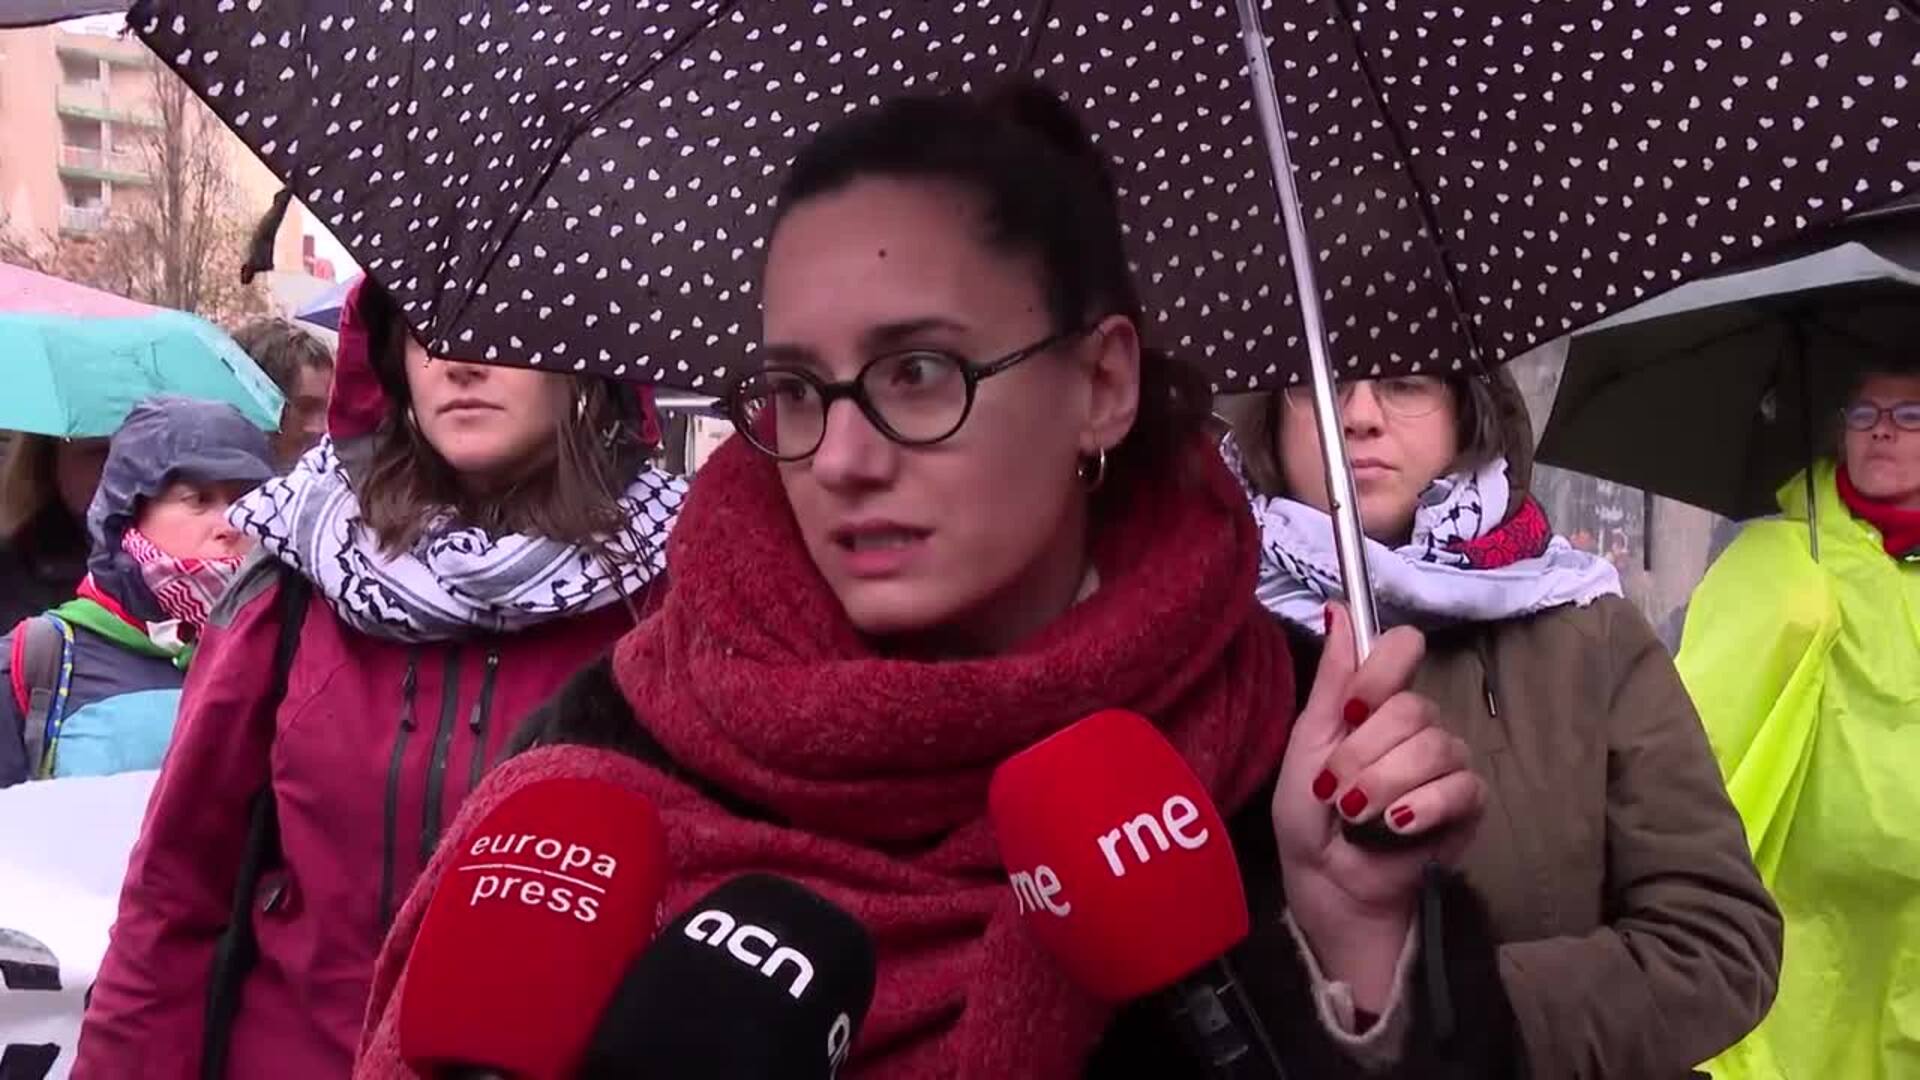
[[41, 676], [237, 950]]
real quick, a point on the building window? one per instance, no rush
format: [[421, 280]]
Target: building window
[[80, 72]]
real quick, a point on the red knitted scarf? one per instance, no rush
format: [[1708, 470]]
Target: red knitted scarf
[[752, 678], [1899, 529]]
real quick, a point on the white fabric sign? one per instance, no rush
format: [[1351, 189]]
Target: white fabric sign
[[63, 851]]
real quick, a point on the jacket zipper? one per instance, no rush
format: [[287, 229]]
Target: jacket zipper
[[1487, 676], [408, 684], [477, 720], [430, 816]]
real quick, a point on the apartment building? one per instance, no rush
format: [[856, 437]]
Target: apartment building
[[74, 105]]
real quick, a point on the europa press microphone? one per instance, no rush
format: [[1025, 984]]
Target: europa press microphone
[[760, 979], [535, 921], [1123, 870]]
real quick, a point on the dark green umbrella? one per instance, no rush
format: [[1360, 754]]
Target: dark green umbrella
[[1718, 392]]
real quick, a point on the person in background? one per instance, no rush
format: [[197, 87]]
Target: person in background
[[470, 537], [301, 365], [46, 485], [967, 507], [111, 661], [1807, 674], [1637, 939]]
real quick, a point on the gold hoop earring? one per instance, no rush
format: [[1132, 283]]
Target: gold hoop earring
[[1092, 471]]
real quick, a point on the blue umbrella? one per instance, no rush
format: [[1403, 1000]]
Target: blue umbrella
[[324, 310], [78, 378]]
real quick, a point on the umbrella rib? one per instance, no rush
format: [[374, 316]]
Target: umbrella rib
[[1456, 296], [583, 123]]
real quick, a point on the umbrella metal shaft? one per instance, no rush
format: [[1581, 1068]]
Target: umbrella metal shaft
[[1348, 538]]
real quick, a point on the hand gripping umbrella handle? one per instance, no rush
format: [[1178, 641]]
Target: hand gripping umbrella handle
[[1348, 540]]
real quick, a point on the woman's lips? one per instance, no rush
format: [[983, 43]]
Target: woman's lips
[[879, 549]]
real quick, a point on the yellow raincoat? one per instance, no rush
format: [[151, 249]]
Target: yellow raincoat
[[1807, 676]]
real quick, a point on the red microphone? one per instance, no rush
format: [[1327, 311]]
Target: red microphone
[[544, 906], [1122, 868]]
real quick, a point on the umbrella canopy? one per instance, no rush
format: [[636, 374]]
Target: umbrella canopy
[[78, 378], [324, 309], [1718, 392], [588, 186], [24, 290]]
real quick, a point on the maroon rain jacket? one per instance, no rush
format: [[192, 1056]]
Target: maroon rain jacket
[[370, 754]]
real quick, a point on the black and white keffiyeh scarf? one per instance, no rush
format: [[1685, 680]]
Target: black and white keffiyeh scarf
[[457, 580], [1464, 563]]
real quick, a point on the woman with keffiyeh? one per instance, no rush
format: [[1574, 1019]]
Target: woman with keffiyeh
[[1636, 937], [470, 536], [967, 507]]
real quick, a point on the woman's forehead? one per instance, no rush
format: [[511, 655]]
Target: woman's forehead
[[886, 251], [1891, 386]]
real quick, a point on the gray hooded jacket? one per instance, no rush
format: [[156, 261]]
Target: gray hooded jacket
[[119, 708]]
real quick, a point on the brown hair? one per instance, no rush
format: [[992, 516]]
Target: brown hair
[[1898, 366], [1480, 431], [573, 498], [282, 349], [26, 483]]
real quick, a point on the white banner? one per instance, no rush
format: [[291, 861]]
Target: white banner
[[63, 851]]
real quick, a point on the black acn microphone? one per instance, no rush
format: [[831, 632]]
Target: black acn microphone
[[761, 979]]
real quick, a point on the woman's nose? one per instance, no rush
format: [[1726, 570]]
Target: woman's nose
[[1360, 408], [462, 372], [852, 451]]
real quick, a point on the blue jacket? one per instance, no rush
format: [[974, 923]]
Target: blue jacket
[[123, 689], [118, 716]]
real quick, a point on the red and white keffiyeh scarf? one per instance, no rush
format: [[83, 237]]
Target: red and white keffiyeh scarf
[[186, 588]]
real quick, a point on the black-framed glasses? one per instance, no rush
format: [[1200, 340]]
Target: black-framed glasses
[[1865, 415], [915, 397], [1407, 397]]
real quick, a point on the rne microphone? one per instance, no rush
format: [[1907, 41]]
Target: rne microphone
[[760, 979], [1122, 869], [541, 909]]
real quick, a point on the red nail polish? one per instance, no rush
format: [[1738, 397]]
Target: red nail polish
[[1326, 613], [1324, 785], [1354, 803], [1356, 713], [1401, 817]]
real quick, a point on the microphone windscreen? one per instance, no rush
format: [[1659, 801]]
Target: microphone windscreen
[[541, 909], [1119, 861], [761, 979]]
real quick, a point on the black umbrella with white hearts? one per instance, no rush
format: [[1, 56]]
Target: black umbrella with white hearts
[[586, 185]]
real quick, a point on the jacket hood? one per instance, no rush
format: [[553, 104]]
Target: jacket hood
[[1833, 519], [164, 438], [364, 386]]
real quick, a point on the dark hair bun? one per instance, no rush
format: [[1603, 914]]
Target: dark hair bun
[[1039, 108]]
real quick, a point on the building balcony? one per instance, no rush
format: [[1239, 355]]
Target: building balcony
[[122, 52], [82, 219], [113, 166], [89, 101]]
